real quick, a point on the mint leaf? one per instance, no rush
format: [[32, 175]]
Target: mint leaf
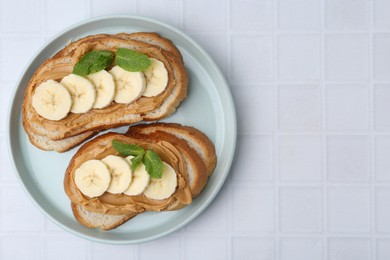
[[92, 62], [153, 164], [151, 160], [136, 161], [127, 149], [131, 60]]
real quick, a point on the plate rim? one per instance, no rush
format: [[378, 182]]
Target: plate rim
[[227, 97]]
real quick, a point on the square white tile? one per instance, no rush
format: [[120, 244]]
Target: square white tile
[[7, 173], [60, 15], [64, 247], [382, 210], [15, 54], [21, 247], [252, 15], [300, 157], [381, 14], [253, 203], [251, 65], [103, 7], [253, 248], [300, 209], [205, 247], [382, 155], [294, 248], [165, 248], [20, 16], [348, 209], [254, 166], [349, 249], [259, 98], [162, 10], [299, 57], [381, 106], [216, 46], [299, 107], [347, 107], [346, 57], [347, 14], [382, 249], [381, 54], [299, 14], [5, 101], [51, 226], [13, 207], [195, 13], [113, 252], [348, 158]]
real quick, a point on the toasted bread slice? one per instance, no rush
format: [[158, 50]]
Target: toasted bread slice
[[145, 108], [96, 220], [62, 145], [118, 204], [198, 174], [194, 138]]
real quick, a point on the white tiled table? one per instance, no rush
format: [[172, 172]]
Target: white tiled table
[[311, 82]]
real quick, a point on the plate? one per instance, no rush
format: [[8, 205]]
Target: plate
[[209, 107]]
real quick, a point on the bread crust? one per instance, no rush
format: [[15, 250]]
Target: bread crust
[[144, 109], [96, 220], [194, 138]]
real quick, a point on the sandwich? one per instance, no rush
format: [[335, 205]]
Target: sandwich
[[113, 177]]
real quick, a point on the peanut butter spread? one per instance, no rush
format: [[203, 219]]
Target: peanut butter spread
[[114, 204], [96, 119]]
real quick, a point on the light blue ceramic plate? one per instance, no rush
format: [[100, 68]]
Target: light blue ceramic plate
[[209, 107]]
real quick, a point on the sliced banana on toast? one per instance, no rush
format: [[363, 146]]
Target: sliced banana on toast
[[92, 178], [105, 88], [156, 78], [120, 173], [159, 189], [52, 100], [83, 93], [140, 179], [129, 85], [172, 191]]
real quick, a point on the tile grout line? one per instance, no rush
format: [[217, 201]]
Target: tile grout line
[[181, 6], [371, 216], [275, 135], [88, 8], [229, 203], [324, 220]]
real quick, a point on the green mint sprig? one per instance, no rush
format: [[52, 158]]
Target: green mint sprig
[[136, 161], [92, 62], [153, 164], [151, 160], [131, 60]]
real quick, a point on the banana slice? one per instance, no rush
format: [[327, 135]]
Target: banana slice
[[163, 188], [92, 178], [83, 92], [120, 173], [156, 78], [139, 181], [52, 100], [129, 85], [105, 88]]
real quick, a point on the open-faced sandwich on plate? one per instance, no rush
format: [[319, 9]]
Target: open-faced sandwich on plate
[[101, 82], [152, 167]]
